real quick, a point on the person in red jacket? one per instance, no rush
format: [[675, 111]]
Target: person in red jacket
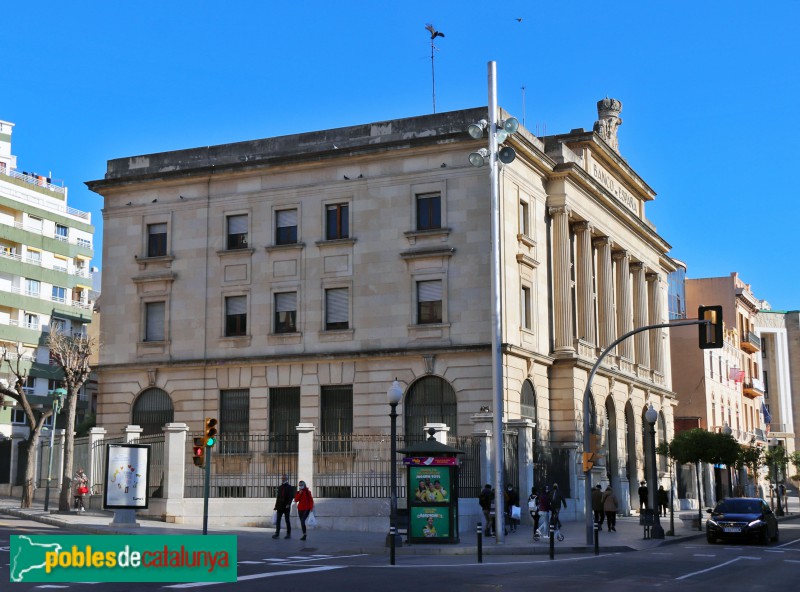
[[305, 503]]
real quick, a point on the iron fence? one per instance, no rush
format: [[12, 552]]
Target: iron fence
[[99, 465], [155, 479], [469, 470], [244, 466]]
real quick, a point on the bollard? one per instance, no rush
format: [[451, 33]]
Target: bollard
[[596, 539], [392, 534], [552, 540], [479, 532]]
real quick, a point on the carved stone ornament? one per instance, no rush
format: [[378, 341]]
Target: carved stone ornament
[[608, 121]]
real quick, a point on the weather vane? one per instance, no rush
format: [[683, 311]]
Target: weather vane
[[434, 34]]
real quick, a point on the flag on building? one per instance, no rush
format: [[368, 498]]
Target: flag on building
[[767, 416], [736, 374]]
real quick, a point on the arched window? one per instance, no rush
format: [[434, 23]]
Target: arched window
[[528, 401], [429, 400], [151, 410]]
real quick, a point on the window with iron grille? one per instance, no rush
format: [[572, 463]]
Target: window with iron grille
[[237, 232], [152, 410], [429, 302], [286, 227], [429, 400], [234, 421], [157, 240], [286, 312], [429, 211], [337, 309], [235, 316], [284, 415], [336, 412], [528, 401], [337, 222], [154, 327]]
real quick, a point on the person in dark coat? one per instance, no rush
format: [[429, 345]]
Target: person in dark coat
[[610, 506], [544, 510], [485, 500], [283, 504], [663, 501], [643, 496], [533, 507], [511, 499], [557, 502], [597, 506]]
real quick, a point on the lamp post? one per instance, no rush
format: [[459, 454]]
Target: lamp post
[[394, 395], [58, 401], [498, 131], [656, 532], [726, 429]]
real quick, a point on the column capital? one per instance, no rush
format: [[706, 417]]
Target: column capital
[[619, 255], [602, 241], [582, 226], [559, 210], [652, 276], [638, 266]]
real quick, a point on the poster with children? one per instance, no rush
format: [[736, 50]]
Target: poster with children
[[430, 523], [431, 484]]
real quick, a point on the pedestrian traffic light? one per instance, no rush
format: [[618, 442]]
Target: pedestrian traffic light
[[199, 453], [587, 461], [211, 431], [711, 330]]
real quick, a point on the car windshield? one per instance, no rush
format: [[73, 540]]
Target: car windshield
[[738, 506]]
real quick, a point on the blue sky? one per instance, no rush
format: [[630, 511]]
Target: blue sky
[[710, 94]]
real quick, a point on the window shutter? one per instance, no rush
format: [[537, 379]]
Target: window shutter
[[157, 229], [236, 224], [287, 218], [236, 305], [429, 291], [337, 305], [286, 302], [155, 321]]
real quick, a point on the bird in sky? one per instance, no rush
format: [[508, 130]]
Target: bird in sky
[[519, 20], [434, 33]]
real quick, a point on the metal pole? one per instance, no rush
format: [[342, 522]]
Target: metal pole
[[497, 359], [552, 532], [206, 489], [393, 525], [479, 532], [657, 531], [50, 462], [671, 497], [596, 538]]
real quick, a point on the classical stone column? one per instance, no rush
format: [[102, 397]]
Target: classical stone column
[[482, 428], [525, 459], [605, 293], [624, 313], [656, 335], [305, 454], [132, 432], [584, 277], [174, 469], [562, 295], [93, 471], [640, 316]]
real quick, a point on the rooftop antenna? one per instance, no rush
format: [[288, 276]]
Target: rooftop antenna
[[434, 34]]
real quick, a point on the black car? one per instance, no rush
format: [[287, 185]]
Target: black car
[[742, 518]]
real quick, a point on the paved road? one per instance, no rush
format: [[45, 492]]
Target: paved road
[[265, 564]]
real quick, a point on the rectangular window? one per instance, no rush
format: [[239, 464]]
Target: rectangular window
[[154, 321], [523, 218], [57, 325], [62, 232], [429, 302], [59, 294], [31, 321], [525, 313], [18, 416], [284, 415], [336, 413], [34, 257], [429, 211], [286, 312], [337, 222], [157, 240], [235, 316], [286, 227], [32, 287], [234, 420], [337, 309], [237, 232]]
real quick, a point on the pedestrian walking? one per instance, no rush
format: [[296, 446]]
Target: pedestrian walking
[[533, 508], [512, 499], [305, 503], [597, 505], [80, 487], [556, 503], [663, 501], [643, 505], [283, 505], [610, 507], [485, 500], [544, 510]]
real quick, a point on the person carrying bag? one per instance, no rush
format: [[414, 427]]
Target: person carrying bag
[[305, 507]]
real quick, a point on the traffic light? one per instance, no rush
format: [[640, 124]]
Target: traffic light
[[199, 453], [587, 462], [710, 332], [211, 431]]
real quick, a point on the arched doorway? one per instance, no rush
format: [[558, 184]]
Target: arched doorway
[[612, 458], [152, 410], [528, 410], [431, 399], [630, 446]]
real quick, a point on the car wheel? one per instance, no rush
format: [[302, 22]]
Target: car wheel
[[710, 538]]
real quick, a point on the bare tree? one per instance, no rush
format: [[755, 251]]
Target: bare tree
[[35, 418], [71, 352]]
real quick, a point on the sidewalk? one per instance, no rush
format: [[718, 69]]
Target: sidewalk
[[629, 535]]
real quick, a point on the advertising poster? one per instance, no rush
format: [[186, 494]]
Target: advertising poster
[[430, 523], [127, 469], [430, 484]]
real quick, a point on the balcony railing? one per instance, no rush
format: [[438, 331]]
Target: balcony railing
[[80, 241], [74, 303], [37, 180], [42, 182], [753, 388], [759, 434], [780, 427], [79, 271], [751, 342]]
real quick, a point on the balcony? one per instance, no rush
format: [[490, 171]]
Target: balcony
[[753, 388], [750, 342], [778, 429], [759, 435]]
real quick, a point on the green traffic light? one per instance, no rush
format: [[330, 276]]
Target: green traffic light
[[210, 441]]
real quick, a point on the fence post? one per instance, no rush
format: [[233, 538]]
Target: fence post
[[132, 432], [174, 469], [96, 435], [305, 454], [524, 429], [482, 428]]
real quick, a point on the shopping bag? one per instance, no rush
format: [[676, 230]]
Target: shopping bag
[[274, 517], [311, 521], [515, 512]]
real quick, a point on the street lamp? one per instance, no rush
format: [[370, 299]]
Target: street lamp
[[58, 401], [394, 395], [497, 131], [656, 532]]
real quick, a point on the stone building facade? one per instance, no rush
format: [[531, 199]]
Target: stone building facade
[[290, 280]]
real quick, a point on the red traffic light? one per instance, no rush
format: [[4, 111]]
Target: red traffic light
[[199, 453]]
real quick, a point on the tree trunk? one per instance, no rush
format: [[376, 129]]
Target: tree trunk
[[65, 497], [30, 469]]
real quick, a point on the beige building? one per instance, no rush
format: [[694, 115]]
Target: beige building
[[290, 280]]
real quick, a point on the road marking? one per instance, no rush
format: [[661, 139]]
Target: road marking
[[702, 571], [261, 576], [656, 553], [705, 555], [791, 560], [249, 562], [774, 551]]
